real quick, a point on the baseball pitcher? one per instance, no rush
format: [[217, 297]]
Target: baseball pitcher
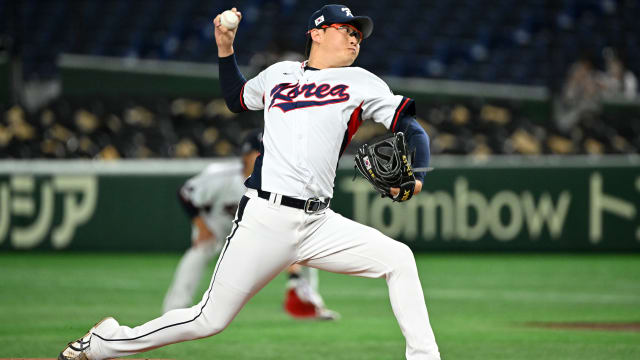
[[311, 111]]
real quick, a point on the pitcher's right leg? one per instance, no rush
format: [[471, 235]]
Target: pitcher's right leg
[[253, 255]]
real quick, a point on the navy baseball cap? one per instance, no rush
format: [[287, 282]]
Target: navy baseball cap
[[337, 14], [252, 141]]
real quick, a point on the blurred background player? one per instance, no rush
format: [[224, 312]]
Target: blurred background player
[[211, 199]]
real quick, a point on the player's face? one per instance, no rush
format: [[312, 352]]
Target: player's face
[[343, 43]]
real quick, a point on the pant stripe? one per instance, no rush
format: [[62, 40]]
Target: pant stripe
[[241, 206], [239, 214]]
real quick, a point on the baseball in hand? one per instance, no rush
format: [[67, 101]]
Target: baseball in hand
[[229, 19]]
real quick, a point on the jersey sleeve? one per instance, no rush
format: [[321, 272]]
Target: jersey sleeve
[[252, 93], [381, 105], [201, 190]]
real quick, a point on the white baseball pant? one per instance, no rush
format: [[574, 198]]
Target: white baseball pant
[[265, 239]]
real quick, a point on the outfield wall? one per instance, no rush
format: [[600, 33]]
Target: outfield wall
[[506, 203]]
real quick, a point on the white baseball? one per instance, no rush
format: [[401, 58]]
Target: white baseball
[[229, 19]]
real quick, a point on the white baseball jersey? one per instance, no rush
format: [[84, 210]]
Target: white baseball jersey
[[216, 192], [314, 113], [310, 116]]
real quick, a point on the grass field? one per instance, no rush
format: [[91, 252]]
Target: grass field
[[480, 307]]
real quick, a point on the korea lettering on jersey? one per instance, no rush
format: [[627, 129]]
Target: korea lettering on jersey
[[310, 117]]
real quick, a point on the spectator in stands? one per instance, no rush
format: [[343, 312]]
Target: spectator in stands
[[617, 81], [580, 95]]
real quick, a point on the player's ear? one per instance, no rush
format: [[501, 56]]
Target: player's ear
[[316, 35]]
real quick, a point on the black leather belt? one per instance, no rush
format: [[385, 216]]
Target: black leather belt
[[309, 206]]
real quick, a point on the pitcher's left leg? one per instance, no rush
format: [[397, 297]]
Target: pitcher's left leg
[[341, 245]]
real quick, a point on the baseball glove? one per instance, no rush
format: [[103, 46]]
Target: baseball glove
[[386, 164]]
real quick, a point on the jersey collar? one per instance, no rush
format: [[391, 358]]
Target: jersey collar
[[305, 66]]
